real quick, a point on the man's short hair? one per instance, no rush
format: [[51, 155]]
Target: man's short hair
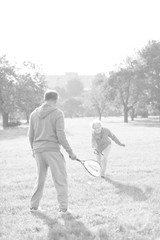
[[51, 95]]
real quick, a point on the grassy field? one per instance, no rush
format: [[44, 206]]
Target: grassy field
[[124, 206]]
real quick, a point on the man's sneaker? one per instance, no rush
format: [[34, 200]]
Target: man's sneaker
[[103, 176], [35, 209], [65, 212]]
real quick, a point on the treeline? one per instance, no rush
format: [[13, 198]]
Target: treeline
[[131, 89], [21, 90]]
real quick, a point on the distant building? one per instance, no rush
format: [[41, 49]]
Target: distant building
[[61, 80]]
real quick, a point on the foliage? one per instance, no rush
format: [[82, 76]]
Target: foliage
[[127, 85], [30, 88], [7, 88], [70, 98], [62, 93], [74, 87], [20, 90], [100, 94], [89, 110], [150, 58], [72, 107], [7, 85]]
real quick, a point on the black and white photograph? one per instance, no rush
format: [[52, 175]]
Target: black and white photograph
[[79, 119]]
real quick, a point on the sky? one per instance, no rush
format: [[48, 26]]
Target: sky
[[83, 36]]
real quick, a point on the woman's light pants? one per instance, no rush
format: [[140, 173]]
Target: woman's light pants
[[103, 159]]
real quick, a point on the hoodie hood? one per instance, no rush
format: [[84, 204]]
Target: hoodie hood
[[44, 110]]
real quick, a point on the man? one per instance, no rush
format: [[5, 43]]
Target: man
[[46, 135]]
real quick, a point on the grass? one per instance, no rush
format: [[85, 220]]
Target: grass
[[125, 205]]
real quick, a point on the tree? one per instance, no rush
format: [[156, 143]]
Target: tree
[[150, 66], [62, 93], [127, 84], [30, 88], [7, 89], [74, 87], [72, 107], [100, 94]]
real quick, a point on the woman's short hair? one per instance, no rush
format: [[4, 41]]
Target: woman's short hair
[[96, 122], [51, 95]]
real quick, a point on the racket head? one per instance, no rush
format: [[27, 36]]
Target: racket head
[[92, 166]]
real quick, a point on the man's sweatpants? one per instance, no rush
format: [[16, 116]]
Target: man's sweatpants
[[57, 164]]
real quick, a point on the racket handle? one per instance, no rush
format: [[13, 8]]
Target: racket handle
[[75, 159], [78, 160]]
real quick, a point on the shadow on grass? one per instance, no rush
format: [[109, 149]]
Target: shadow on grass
[[66, 227], [137, 122], [145, 123], [132, 191]]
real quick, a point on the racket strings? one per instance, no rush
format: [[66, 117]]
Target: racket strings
[[93, 167]]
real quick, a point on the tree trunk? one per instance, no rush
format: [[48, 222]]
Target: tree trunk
[[27, 117], [132, 113], [5, 119], [125, 114], [100, 115]]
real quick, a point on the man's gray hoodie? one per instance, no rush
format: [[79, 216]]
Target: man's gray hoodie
[[46, 130]]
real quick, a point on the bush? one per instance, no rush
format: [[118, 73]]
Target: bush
[[14, 124]]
